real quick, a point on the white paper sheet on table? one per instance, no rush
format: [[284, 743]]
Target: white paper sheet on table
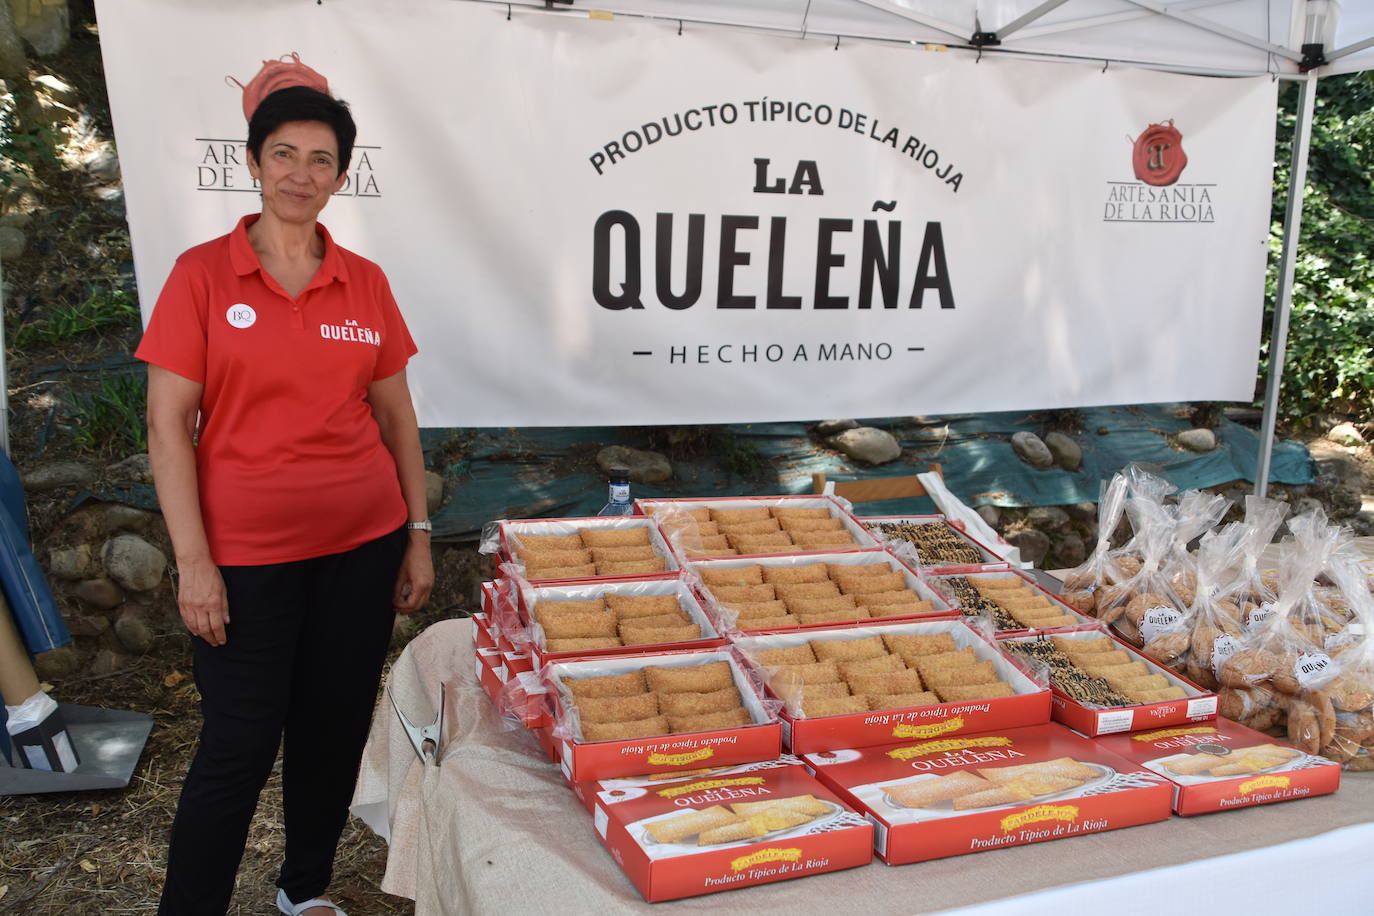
[[495, 829]]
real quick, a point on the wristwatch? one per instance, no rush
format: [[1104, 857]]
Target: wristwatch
[[426, 525]]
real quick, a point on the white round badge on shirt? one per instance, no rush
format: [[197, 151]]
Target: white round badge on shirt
[[241, 315]]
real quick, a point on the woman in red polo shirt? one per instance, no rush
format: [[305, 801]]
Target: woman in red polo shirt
[[287, 461]]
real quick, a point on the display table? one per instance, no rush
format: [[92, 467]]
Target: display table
[[495, 829]]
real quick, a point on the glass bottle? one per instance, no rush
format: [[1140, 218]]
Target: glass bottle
[[619, 498]]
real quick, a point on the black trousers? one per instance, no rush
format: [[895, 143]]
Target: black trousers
[[306, 645]]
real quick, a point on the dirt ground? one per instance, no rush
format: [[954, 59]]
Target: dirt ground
[[104, 852]]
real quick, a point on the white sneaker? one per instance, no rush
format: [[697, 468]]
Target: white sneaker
[[296, 909]]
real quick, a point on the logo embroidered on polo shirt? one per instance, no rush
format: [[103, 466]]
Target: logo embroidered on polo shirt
[[241, 315], [350, 330]]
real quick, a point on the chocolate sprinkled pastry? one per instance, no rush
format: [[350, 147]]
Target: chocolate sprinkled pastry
[[973, 604], [934, 541], [1068, 677]]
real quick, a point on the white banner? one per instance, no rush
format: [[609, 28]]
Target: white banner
[[591, 222]]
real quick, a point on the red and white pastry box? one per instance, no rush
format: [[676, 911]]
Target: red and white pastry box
[[481, 632], [500, 600], [1029, 704], [525, 698], [1223, 765], [584, 760], [1197, 704], [687, 602], [505, 535], [490, 669], [663, 510], [986, 558], [939, 606], [550, 745], [951, 796], [728, 779], [720, 832], [1062, 616]]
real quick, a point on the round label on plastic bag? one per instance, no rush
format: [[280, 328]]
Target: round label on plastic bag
[[1313, 668], [1223, 648], [1157, 620], [1256, 616]]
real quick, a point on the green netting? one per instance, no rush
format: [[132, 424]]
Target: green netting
[[551, 471]]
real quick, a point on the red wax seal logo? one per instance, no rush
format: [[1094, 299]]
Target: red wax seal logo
[[1158, 157], [278, 74]]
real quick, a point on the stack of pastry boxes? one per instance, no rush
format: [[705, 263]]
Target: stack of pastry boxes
[[687, 721], [689, 790], [677, 756], [577, 561], [568, 594]]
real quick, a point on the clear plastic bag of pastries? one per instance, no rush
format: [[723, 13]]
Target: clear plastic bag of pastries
[[1287, 678], [1100, 570], [1211, 629], [1146, 603]]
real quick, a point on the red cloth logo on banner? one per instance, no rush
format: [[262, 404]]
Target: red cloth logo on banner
[[278, 74], [1158, 157]]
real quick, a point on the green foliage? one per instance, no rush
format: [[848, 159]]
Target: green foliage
[[738, 455], [680, 443], [110, 418], [103, 309], [1329, 363], [23, 147]]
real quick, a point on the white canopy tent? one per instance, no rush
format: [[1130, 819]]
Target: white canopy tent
[[1299, 40], [1212, 37]]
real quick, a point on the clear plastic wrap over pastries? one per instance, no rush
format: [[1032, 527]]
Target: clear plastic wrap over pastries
[[1251, 588], [579, 548], [612, 615], [885, 667], [1146, 603], [784, 592], [1095, 671], [645, 696], [1295, 673], [1083, 585], [1212, 627], [754, 526], [1351, 690]]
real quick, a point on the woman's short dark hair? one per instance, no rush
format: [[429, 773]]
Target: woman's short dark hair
[[301, 103]]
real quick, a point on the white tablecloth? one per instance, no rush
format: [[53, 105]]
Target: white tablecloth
[[494, 829]]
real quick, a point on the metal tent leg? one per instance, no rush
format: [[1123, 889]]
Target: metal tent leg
[[1292, 230]]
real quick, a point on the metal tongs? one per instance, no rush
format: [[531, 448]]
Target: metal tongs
[[425, 739]]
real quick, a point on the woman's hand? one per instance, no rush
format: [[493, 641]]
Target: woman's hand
[[173, 406], [391, 406], [202, 600], [415, 579]]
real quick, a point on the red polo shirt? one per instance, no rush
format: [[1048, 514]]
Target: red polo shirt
[[291, 464]]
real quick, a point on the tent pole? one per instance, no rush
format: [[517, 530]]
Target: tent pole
[[1283, 299]]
